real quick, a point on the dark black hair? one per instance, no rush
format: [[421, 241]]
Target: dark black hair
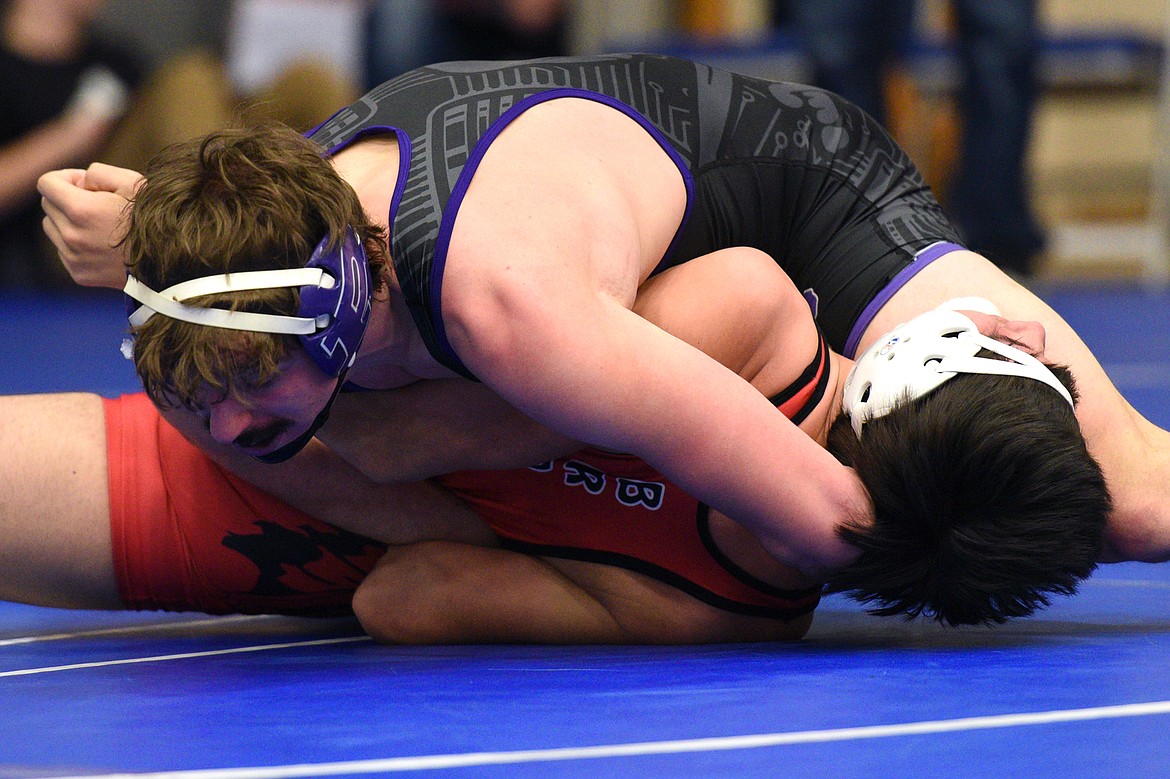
[[986, 500]]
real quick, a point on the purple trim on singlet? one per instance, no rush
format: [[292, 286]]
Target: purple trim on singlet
[[447, 226], [403, 164], [920, 261], [309, 133], [404, 149]]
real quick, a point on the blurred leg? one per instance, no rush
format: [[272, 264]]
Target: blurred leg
[[998, 47], [187, 97], [851, 43], [55, 547]]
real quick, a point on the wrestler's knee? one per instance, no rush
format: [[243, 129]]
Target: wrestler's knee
[[400, 601]]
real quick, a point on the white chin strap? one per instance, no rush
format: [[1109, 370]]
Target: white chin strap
[[169, 302]]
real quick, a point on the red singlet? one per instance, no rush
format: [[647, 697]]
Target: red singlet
[[189, 536], [609, 508]]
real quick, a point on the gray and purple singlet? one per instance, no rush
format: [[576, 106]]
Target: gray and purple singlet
[[789, 169]]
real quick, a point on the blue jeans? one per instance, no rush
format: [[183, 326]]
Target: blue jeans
[[850, 42]]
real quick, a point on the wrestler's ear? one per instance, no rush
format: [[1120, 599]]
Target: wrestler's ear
[[1027, 336]]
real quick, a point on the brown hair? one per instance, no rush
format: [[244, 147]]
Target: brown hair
[[235, 200]]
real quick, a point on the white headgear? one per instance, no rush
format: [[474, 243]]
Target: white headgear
[[917, 357]]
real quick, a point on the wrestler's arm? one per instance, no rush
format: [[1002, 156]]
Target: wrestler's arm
[[434, 427], [85, 214], [535, 308], [320, 483], [1134, 454], [476, 429], [448, 593], [55, 547]]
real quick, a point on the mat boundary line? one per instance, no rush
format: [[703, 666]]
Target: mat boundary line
[[715, 744], [182, 656]]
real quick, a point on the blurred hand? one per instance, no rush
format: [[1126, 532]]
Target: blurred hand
[[93, 111], [85, 213], [100, 94]]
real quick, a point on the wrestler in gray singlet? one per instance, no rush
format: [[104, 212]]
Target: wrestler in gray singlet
[[789, 169]]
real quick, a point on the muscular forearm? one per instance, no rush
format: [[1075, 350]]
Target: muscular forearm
[[320, 483], [701, 425], [436, 427]]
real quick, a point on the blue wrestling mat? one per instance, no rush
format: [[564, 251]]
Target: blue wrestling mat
[[1081, 690]]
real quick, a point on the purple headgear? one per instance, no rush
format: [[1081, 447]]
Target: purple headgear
[[347, 302], [336, 292]]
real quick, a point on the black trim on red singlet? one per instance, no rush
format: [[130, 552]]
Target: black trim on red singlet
[[703, 523], [818, 371], [797, 609]]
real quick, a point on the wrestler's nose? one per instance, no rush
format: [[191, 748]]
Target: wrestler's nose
[[227, 419]]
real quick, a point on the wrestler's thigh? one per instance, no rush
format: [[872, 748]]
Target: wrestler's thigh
[[55, 547]]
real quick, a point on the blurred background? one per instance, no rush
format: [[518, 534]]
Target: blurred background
[[1043, 126]]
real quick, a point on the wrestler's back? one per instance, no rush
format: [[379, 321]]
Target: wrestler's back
[[830, 192]]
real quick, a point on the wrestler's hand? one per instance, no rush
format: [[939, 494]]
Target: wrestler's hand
[[85, 212]]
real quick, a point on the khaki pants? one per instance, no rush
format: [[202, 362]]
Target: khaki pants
[[191, 96]]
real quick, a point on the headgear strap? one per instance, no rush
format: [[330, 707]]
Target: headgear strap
[[336, 296], [918, 356]]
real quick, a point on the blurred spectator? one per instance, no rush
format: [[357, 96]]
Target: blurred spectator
[[161, 29], [851, 44], [65, 91], [76, 91], [221, 61], [401, 35], [268, 38], [406, 34]]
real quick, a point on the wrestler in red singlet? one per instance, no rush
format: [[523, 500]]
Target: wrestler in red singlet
[[188, 535]]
